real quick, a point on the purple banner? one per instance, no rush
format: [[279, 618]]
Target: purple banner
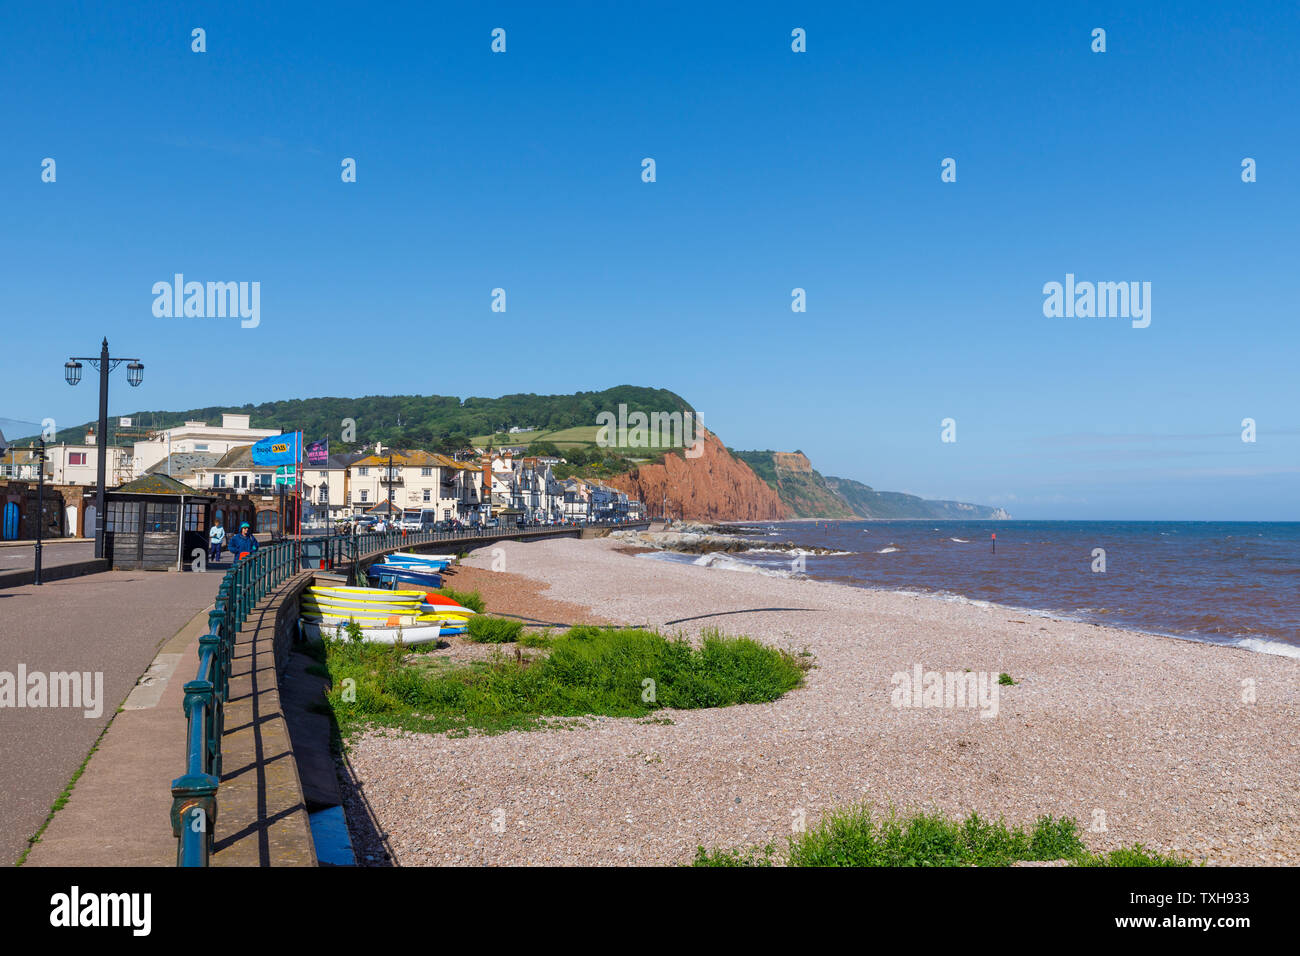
[[318, 452]]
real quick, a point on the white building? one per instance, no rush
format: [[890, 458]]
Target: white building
[[79, 464], [418, 481], [197, 438]]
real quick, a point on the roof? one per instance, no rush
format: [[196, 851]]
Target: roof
[[407, 459], [383, 508], [342, 459], [155, 485], [184, 463], [241, 459]]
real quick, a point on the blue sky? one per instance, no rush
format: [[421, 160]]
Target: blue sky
[[775, 170]]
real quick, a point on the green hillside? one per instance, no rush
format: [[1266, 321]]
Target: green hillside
[[809, 494], [869, 503], [433, 422], [802, 488]]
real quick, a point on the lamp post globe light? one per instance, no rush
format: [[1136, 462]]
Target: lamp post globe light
[[72, 375]]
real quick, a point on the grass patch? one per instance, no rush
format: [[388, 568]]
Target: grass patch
[[62, 798], [589, 671], [1006, 680], [539, 639], [470, 599], [854, 837], [493, 630]]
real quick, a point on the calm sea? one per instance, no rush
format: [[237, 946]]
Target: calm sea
[[1227, 582]]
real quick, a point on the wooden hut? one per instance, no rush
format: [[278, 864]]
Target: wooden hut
[[154, 524]]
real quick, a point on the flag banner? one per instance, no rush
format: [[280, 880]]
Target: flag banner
[[318, 452], [278, 450]]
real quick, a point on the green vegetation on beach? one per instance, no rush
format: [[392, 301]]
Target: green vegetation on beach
[[855, 837], [468, 599], [493, 630], [615, 672]]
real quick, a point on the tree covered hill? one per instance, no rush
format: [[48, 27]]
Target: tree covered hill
[[419, 421]]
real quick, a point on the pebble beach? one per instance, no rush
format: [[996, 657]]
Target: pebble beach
[[1187, 748]]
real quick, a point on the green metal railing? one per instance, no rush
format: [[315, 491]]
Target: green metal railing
[[194, 795]]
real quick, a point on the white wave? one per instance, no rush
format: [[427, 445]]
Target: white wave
[[960, 540], [726, 562], [798, 551], [889, 550], [1264, 646]]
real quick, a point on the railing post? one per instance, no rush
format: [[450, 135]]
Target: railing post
[[194, 815]]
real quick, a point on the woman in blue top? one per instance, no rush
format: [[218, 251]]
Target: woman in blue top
[[243, 543]]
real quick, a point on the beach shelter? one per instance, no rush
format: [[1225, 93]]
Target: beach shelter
[[154, 523]]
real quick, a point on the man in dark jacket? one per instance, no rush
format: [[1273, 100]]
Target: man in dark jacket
[[242, 543]]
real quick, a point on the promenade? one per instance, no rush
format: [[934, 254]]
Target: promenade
[[112, 624], [125, 624]]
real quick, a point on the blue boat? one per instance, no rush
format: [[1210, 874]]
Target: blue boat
[[386, 574], [414, 560], [417, 565]]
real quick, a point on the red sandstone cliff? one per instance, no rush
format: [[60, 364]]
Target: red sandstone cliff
[[713, 487]]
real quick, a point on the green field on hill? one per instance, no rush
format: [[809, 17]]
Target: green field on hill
[[580, 436]]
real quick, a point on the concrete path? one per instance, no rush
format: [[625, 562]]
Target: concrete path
[[112, 624], [21, 556], [139, 754]]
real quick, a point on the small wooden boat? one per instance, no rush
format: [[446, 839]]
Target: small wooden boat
[[414, 634], [381, 572]]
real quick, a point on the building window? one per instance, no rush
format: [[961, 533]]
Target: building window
[[264, 481], [239, 481], [161, 517], [76, 458], [323, 495], [427, 496], [365, 496], [426, 472], [201, 447], [123, 516], [363, 472], [218, 480], [323, 474], [194, 517]]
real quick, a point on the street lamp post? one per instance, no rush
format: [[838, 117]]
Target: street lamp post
[[134, 376], [40, 507]]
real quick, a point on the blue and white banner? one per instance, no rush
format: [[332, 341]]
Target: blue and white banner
[[278, 450]]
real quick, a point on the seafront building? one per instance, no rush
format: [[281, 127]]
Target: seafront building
[[216, 462], [413, 481], [196, 438]]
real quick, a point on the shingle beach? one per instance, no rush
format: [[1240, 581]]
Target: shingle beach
[[1185, 747]]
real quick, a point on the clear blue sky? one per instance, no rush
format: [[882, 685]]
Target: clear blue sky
[[775, 170]]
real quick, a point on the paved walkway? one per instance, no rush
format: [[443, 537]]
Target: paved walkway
[[21, 556], [112, 623]]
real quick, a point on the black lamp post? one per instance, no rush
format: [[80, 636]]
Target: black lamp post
[[40, 508], [134, 376]]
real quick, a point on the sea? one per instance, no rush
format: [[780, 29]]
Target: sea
[[1233, 583]]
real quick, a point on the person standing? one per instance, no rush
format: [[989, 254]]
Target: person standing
[[244, 543], [216, 541]]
